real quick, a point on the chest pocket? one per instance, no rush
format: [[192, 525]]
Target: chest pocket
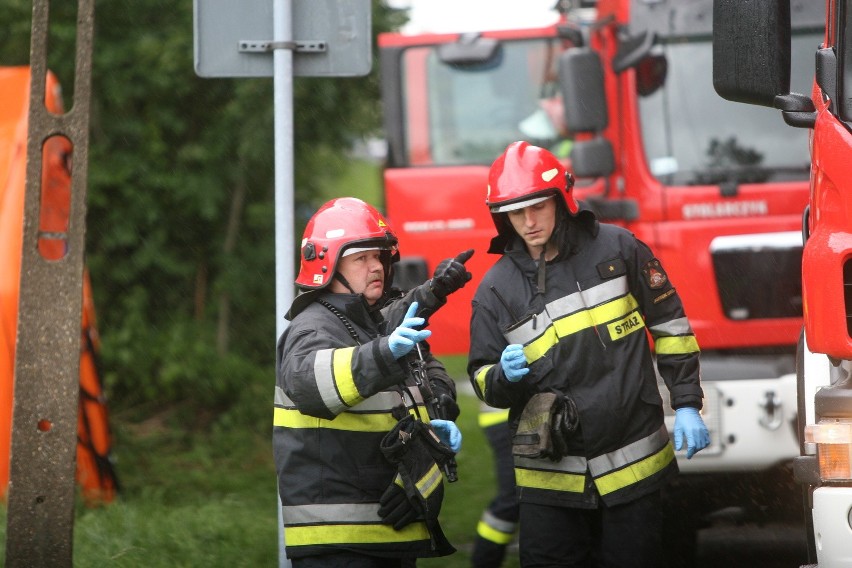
[[611, 268]]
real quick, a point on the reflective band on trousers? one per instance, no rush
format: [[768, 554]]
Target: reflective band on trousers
[[343, 523], [487, 419], [495, 530]]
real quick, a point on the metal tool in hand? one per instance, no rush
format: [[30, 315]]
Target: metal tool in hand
[[433, 404]]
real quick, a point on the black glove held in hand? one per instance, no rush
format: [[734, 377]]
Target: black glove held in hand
[[417, 453], [395, 508], [449, 407], [451, 275]]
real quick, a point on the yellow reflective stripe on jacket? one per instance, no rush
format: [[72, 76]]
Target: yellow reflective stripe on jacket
[[536, 350], [612, 471], [538, 340], [677, 326], [632, 452], [427, 484], [479, 377], [568, 474], [343, 376], [330, 513], [636, 472], [625, 326], [530, 328], [344, 523], [674, 337], [676, 345], [333, 376], [577, 322], [632, 463], [351, 421], [602, 314], [492, 418], [552, 480], [311, 535]]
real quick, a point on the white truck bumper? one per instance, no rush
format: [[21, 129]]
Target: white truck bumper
[[832, 515], [751, 422]]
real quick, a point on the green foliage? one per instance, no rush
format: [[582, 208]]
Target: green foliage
[[180, 227]]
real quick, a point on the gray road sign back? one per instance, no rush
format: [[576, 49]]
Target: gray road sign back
[[232, 38]]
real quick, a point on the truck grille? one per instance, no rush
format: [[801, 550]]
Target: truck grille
[[759, 276]]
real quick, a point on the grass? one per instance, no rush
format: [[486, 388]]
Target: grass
[[209, 498]]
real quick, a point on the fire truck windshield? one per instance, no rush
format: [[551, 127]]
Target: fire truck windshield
[[692, 136], [468, 114]]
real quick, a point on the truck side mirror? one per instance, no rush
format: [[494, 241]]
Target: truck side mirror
[[632, 50], [592, 158], [751, 50], [582, 84], [584, 98]]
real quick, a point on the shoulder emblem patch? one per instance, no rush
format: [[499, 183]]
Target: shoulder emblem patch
[[664, 295], [655, 276]]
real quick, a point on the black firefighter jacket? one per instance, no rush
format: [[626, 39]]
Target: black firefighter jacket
[[334, 402], [584, 335]]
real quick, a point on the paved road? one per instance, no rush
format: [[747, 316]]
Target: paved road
[[772, 545]]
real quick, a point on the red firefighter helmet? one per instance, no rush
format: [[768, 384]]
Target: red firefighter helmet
[[525, 175], [342, 225]]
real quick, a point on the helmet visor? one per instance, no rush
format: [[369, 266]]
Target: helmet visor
[[515, 205], [356, 250]]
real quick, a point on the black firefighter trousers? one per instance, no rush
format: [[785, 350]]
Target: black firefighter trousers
[[624, 536]]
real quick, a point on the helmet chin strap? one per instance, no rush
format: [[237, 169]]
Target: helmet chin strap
[[541, 270], [343, 281]]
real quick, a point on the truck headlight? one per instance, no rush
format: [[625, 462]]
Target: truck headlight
[[833, 439]]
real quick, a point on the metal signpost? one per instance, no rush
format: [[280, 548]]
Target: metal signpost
[[40, 518], [280, 39]]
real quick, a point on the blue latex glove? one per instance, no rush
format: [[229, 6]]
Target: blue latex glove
[[403, 338], [514, 362], [688, 423], [448, 432]]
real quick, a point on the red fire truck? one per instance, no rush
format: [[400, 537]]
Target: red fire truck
[[752, 65], [622, 89]]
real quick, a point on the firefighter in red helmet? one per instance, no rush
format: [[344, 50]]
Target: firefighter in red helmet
[[356, 450], [559, 336]]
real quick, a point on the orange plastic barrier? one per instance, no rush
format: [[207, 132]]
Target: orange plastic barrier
[[95, 474]]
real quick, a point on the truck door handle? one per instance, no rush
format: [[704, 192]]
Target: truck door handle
[[772, 414]]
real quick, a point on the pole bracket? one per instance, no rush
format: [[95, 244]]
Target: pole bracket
[[262, 46]]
